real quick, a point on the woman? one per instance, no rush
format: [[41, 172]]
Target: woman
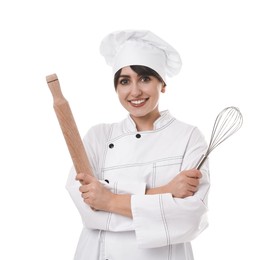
[[146, 200]]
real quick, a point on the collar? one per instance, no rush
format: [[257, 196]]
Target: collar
[[165, 117]]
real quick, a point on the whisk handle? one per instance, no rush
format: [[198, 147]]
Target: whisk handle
[[201, 161]]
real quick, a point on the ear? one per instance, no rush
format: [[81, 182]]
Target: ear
[[163, 89]]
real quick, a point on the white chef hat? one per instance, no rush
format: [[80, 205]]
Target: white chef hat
[[134, 47]]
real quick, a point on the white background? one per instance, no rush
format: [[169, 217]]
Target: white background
[[226, 48]]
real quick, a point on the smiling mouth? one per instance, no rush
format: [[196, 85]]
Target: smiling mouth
[[138, 102]]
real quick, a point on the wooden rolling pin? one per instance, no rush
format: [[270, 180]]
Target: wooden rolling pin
[[69, 127]]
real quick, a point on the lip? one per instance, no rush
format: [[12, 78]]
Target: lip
[[138, 102]]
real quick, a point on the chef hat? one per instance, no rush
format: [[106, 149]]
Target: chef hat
[[130, 47]]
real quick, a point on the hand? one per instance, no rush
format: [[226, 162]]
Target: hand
[[94, 193], [184, 184]]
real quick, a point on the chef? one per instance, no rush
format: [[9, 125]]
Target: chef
[[146, 200]]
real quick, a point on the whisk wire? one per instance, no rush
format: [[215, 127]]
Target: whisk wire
[[228, 121]]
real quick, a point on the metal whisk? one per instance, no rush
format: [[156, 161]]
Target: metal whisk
[[228, 121]]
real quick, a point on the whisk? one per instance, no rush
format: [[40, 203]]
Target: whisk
[[228, 122]]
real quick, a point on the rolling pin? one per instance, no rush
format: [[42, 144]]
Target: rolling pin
[[69, 127]]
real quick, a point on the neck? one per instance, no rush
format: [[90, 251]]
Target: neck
[[146, 123]]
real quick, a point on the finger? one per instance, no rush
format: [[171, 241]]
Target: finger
[[87, 201], [193, 182], [192, 189], [85, 195], [80, 176], [187, 194], [84, 188], [194, 174], [84, 177]]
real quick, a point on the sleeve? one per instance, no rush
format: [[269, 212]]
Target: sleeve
[[161, 220], [99, 219]]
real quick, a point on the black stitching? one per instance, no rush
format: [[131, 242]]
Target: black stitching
[[164, 220]]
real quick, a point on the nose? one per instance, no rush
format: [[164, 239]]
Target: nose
[[136, 90]]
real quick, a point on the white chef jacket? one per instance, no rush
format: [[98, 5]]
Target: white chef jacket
[[131, 161]]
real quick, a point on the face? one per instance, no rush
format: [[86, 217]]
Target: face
[[139, 94]]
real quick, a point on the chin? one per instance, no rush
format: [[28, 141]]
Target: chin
[[139, 114]]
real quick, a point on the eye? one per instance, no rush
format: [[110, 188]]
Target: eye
[[123, 81], [145, 78]]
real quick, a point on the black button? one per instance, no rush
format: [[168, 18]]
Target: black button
[[111, 146], [138, 135], [106, 180]]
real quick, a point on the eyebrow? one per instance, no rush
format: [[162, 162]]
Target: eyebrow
[[124, 76], [139, 75]]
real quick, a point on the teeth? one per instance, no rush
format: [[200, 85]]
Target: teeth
[[137, 102]]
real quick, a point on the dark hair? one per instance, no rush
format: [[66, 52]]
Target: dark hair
[[141, 71]]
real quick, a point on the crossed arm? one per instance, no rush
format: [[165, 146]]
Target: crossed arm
[[98, 197]]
